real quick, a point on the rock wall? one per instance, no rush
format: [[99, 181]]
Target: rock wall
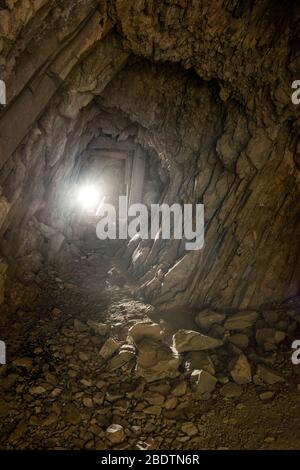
[[244, 173], [205, 88]]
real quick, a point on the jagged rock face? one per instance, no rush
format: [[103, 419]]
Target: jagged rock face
[[204, 88]]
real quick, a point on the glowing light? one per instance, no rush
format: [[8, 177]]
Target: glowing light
[[89, 197]]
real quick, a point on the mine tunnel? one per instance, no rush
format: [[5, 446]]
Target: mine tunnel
[[137, 342]]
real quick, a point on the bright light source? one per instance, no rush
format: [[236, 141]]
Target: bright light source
[[89, 197]]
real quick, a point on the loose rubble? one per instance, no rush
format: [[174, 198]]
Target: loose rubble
[[113, 383]]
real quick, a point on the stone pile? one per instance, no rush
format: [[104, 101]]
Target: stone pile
[[99, 385]]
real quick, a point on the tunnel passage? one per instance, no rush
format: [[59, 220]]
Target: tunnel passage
[[107, 171], [206, 150], [169, 102]]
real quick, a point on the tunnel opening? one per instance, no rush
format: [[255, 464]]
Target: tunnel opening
[[111, 170]]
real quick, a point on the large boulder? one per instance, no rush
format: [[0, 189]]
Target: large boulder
[[206, 318], [203, 382], [146, 329], [189, 340], [240, 340], [241, 320], [231, 390], [240, 370], [109, 348], [125, 357], [115, 434], [156, 360], [199, 360], [268, 375], [269, 337]]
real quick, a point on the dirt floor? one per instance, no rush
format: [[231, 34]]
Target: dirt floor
[[56, 391]]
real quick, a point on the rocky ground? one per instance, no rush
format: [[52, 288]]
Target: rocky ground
[[94, 368]]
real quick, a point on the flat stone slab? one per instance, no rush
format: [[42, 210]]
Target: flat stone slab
[[189, 340]]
